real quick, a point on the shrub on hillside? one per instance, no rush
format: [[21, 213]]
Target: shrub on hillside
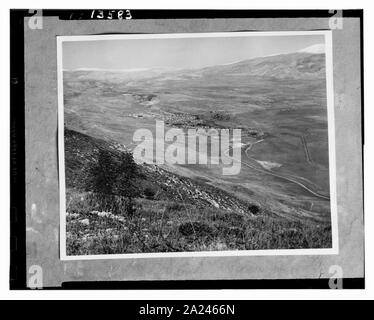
[[149, 193], [112, 177], [254, 209]]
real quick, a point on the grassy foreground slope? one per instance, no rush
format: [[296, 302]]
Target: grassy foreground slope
[[172, 214]]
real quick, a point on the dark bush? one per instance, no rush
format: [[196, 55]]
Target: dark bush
[[112, 177], [149, 193], [254, 209]]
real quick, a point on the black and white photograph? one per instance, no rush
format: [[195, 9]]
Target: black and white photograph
[[200, 144], [192, 154]]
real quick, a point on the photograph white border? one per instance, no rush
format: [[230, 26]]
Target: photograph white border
[[266, 252]]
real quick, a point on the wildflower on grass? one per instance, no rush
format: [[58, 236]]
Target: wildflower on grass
[[72, 215], [85, 222], [121, 219], [104, 214]]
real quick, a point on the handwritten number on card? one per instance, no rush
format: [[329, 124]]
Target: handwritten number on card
[[111, 14]]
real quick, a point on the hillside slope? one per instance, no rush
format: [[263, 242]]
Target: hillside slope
[[178, 215], [81, 150], [300, 65]]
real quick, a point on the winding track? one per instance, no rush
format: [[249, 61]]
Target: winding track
[[321, 196]]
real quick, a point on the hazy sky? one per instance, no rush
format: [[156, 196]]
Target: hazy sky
[[178, 53]]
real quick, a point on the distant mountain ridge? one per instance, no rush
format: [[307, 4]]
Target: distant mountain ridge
[[316, 48], [305, 64], [299, 65]]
